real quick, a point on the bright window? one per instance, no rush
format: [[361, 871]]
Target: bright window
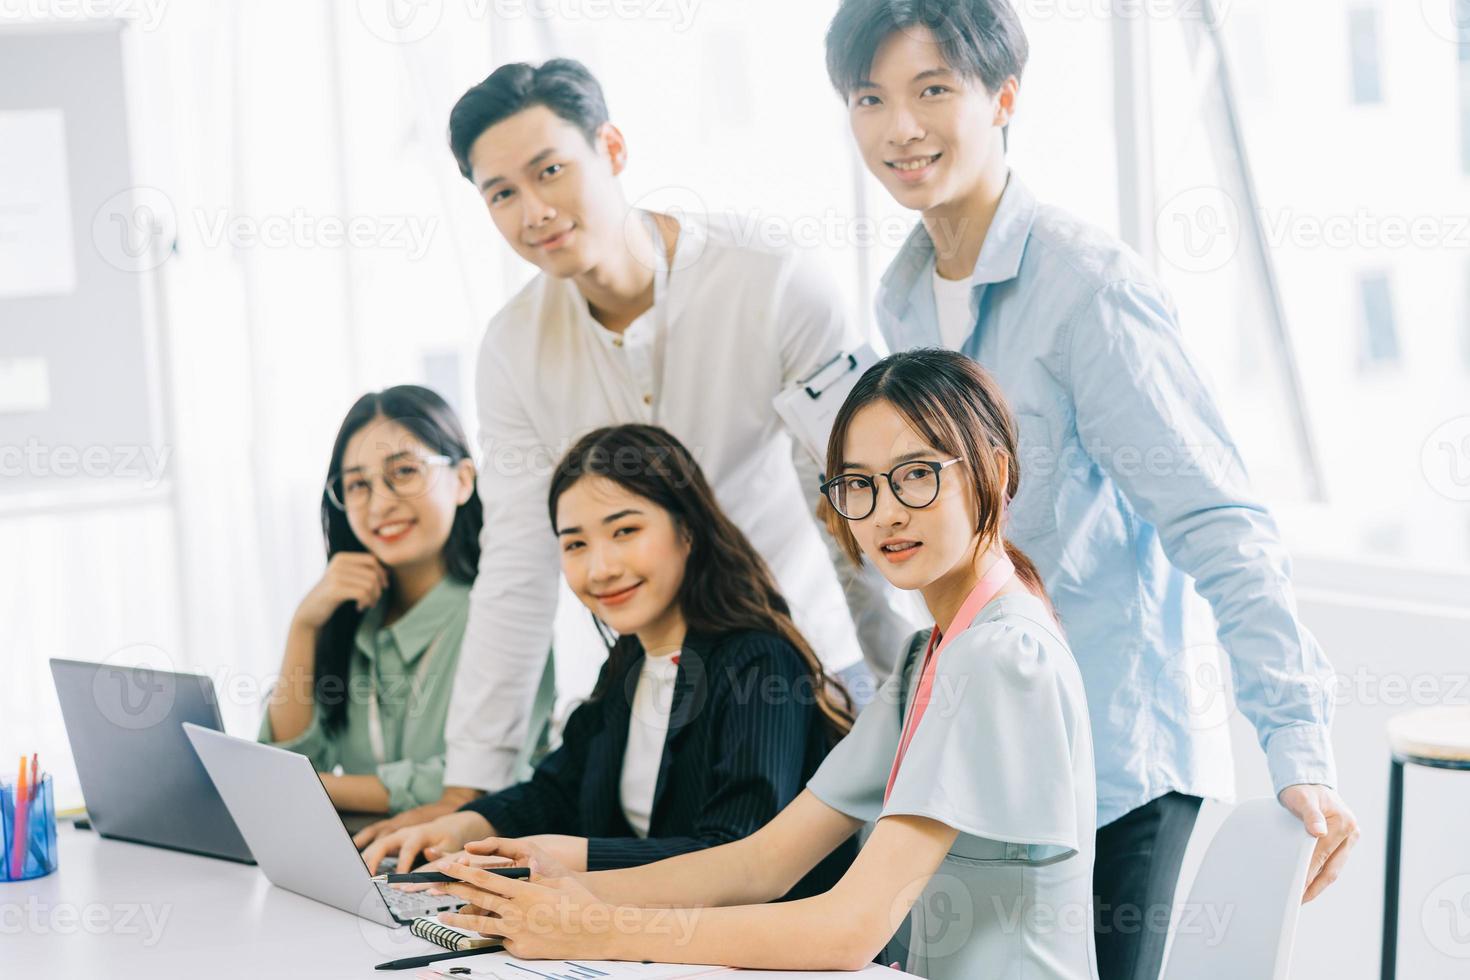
[[1317, 245], [1462, 30], [1363, 49], [1380, 339]]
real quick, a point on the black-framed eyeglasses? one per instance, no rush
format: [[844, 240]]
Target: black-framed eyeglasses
[[915, 485], [405, 477]]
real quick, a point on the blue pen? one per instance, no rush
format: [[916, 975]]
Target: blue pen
[[38, 840]]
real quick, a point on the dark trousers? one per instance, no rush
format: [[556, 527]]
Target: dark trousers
[[1133, 879]]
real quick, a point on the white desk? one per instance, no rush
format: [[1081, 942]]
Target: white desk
[[116, 911], [119, 910]]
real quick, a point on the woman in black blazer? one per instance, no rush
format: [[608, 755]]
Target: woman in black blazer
[[711, 711]]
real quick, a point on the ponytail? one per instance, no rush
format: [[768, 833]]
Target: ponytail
[[1030, 577]]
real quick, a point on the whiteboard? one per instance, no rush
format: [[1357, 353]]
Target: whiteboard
[[79, 405]]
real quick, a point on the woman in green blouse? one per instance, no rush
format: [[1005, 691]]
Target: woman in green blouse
[[372, 649]]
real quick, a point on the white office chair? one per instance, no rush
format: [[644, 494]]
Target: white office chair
[[1254, 870]]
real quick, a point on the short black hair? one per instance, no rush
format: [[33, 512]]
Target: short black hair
[[980, 39], [563, 85]]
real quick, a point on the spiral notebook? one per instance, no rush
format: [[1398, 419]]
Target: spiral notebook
[[450, 937]]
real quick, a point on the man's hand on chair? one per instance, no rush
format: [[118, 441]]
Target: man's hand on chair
[[1328, 819]]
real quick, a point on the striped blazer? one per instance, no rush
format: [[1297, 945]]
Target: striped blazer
[[744, 736]]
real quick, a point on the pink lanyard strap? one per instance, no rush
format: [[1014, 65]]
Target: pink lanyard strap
[[990, 583]]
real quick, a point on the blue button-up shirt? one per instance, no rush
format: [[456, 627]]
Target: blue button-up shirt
[[1131, 490]]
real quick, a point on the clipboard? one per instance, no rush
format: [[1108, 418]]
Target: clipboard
[[810, 405]]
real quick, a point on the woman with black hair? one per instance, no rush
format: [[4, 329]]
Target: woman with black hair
[[712, 710], [371, 652]]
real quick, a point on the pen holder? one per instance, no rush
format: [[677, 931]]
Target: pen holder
[[38, 854]]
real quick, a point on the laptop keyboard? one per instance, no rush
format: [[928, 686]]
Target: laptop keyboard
[[409, 905]]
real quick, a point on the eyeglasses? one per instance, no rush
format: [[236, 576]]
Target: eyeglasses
[[915, 485], [405, 477]]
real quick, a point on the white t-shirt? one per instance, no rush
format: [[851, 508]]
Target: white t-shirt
[[647, 728], [952, 303]]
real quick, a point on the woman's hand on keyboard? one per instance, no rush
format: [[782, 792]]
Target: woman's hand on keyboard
[[433, 840]]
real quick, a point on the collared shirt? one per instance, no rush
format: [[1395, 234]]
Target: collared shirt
[[1132, 492], [731, 327], [412, 693]]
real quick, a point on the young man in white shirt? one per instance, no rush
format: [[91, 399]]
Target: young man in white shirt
[[635, 317]]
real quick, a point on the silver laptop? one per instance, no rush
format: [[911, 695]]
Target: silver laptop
[[293, 830], [141, 780]]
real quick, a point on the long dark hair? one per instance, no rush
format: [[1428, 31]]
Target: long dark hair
[[431, 420], [727, 586], [959, 409]]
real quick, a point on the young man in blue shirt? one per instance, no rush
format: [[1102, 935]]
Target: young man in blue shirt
[[1115, 507]]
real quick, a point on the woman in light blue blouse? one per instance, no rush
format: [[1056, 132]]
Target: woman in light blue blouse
[[371, 652], [975, 760]]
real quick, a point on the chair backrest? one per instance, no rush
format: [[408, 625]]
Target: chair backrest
[[1240, 920]]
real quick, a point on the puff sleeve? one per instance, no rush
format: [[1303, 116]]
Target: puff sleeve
[[996, 754]]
